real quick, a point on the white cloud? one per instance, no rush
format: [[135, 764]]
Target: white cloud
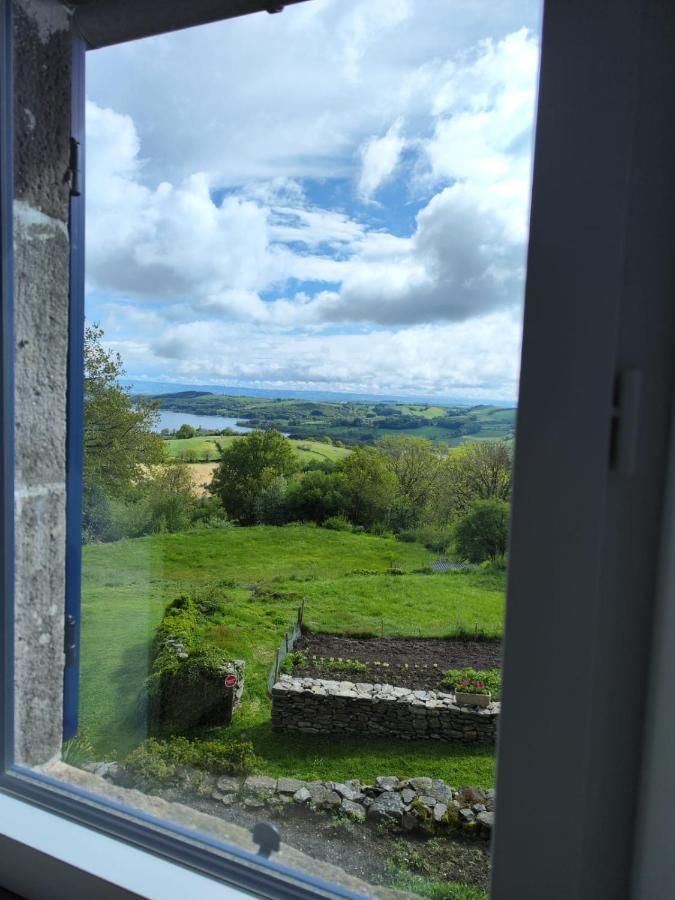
[[199, 207], [449, 360], [380, 157]]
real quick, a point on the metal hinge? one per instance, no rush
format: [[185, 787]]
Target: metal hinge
[[625, 421], [70, 640], [75, 168]]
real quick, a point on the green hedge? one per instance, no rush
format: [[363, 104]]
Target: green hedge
[[186, 687]]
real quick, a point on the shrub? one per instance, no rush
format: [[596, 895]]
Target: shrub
[[337, 523], [159, 761], [185, 685], [483, 532]]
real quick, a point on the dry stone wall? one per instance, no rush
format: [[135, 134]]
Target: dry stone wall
[[318, 706]]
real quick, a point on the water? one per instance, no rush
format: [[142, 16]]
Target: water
[[173, 421]]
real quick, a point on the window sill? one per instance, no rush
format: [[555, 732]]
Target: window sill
[[103, 857]]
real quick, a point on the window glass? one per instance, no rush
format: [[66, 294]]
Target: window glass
[[305, 260]]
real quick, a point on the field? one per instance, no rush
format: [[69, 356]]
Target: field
[[351, 421], [266, 572], [203, 447]]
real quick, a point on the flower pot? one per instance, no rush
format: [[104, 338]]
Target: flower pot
[[462, 698]]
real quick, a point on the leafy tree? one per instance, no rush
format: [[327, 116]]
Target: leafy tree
[[482, 533], [368, 486], [170, 500], [185, 431], [247, 468], [477, 471], [119, 444], [315, 497], [416, 464]]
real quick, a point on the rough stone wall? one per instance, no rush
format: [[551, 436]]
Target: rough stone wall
[[41, 267], [317, 706]]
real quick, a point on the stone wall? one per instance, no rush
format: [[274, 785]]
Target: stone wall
[[42, 50], [316, 706]]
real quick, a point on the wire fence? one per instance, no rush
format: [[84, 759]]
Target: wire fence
[[285, 648]]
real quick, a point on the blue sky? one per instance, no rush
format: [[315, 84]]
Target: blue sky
[[332, 198]]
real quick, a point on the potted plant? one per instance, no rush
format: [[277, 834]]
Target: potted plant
[[471, 691]]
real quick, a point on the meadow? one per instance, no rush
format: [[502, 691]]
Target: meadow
[[202, 446], [349, 582], [351, 421]]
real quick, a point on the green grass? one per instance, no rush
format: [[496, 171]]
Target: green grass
[[425, 412], [265, 573], [406, 605], [305, 451]]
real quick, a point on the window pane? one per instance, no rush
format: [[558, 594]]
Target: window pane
[[306, 242]]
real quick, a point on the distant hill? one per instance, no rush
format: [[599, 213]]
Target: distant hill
[[156, 388], [183, 395]]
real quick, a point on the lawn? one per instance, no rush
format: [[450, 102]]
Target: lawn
[[203, 446], [265, 573]]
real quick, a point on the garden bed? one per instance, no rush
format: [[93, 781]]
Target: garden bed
[[404, 662]]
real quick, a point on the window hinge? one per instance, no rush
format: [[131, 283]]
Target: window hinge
[[75, 168], [625, 421], [70, 640]]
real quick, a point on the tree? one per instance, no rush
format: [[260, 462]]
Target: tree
[[482, 533], [416, 464], [185, 431], [315, 497], [481, 470], [170, 499], [368, 486], [247, 469], [119, 444]]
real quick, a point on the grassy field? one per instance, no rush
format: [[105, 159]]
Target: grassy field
[[265, 573], [203, 445]]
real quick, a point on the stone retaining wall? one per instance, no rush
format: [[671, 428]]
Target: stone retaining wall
[[317, 706]]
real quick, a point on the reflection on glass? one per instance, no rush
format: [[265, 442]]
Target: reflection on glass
[[305, 257]]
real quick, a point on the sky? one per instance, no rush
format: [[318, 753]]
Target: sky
[[331, 198]]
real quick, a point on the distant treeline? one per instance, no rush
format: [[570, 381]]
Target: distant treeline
[[353, 422]]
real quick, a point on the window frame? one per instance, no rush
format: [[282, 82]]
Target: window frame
[[558, 862]]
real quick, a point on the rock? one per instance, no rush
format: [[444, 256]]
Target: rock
[[427, 801], [440, 791], [228, 799], [471, 795], [408, 795], [331, 801], [478, 807], [228, 785], [350, 790], [259, 784], [386, 808], [216, 795], [289, 785], [486, 819], [353, 810], [440, 810], [254, 803], [466, 815], [323, 797], [421, 785], [102, 769], [387, 782], [302, 796]]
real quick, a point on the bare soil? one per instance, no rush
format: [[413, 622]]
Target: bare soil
[[372, 853], [405, 662]]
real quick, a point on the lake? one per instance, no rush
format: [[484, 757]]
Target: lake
[[173, 421]]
